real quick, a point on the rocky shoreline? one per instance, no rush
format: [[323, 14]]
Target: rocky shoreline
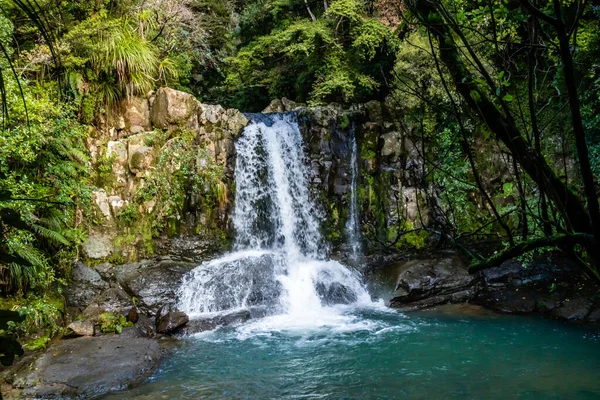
[[89, 363], [550, 286]]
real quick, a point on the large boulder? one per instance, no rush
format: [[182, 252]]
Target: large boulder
[[141, 159], [86, 284], [89, 367], [154, 284], [171, 322], [113, 300], [172, 109], [425, 283]]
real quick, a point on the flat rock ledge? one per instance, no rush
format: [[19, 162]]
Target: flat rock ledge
[[88, 367]]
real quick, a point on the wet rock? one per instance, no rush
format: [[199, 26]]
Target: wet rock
[[171, 322], [162, 312], [80, 328], [106, 271], [145, 326], [86, 284], [573, 310], [133, 315], [193, 248], [424, 283], [335, 293], [154, 284], [89, 367], [208, 324]]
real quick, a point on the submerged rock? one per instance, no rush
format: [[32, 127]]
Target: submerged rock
[[335, 293]]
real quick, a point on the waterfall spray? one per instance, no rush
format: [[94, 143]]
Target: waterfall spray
[[279, 263]]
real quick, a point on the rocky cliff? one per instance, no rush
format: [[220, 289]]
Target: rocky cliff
[[164, 167]]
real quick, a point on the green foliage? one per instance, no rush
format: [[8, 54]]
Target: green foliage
[[43, 181], [112, 323], [335, 58]]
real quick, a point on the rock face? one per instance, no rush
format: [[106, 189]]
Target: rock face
[[89, 367], [154, 284], [127, 149], [550, 287], [425, 283], [85, 286]]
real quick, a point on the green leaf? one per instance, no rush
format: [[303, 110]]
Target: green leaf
[[508, 98]]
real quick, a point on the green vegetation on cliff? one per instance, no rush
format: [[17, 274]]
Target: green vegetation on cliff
[[493, 112]]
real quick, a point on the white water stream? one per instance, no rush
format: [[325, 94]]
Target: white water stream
[[353, 222], [279, 264]]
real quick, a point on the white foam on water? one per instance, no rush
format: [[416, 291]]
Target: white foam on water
[[280, 258]]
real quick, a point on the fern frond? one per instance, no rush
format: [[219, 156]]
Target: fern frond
[[50, 234]]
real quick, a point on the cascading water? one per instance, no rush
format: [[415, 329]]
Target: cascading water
[[279, 264], [353, 223]]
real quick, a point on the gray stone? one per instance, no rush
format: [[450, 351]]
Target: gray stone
[[236, 122], [113, 300], [136, 112], [392, 144], [209, 324], [171, 322], [89, 367], [98, 246], [424, 283], [117, 150], [211, 113], [81, 328], [275, 106], [85, 285], [153, 284], [573, 310], [288, 104], [101, 200]]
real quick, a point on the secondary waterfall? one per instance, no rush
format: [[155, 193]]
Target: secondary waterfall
[[279, 265], [353, 222]]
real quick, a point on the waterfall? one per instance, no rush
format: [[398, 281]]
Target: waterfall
[[353, 222], [279, 261]]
